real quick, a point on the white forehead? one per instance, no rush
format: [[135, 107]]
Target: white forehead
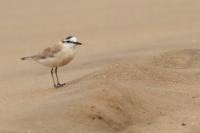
[[73, 39]]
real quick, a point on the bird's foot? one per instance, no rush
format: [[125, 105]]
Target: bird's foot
[[59, 85]]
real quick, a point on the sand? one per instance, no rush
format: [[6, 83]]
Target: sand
[[138, 70]]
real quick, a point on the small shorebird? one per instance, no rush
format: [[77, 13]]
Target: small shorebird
[[56, 56]]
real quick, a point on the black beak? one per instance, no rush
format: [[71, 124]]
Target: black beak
[[78, 43]]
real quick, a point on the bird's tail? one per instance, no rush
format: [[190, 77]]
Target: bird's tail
[[28, 58]]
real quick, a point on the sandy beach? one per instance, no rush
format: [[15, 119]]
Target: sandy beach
[[138, 70]]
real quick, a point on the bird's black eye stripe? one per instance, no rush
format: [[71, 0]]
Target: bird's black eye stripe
[[64, 41], [68, 41], [71, 42]]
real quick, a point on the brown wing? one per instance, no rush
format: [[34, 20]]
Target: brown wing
[[49, 52]]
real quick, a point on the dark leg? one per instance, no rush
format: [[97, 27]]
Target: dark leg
[[55, 86], [58, 83]]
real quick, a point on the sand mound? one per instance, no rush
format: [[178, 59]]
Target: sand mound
[[124, 94], [110, 107], [188, 58], [109, 100]]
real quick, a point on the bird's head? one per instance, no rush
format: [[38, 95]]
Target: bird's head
[[71, 41]]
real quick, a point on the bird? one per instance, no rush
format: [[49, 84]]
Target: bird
[[56, 56]]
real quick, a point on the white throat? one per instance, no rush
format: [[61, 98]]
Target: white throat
[[69, 45]]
